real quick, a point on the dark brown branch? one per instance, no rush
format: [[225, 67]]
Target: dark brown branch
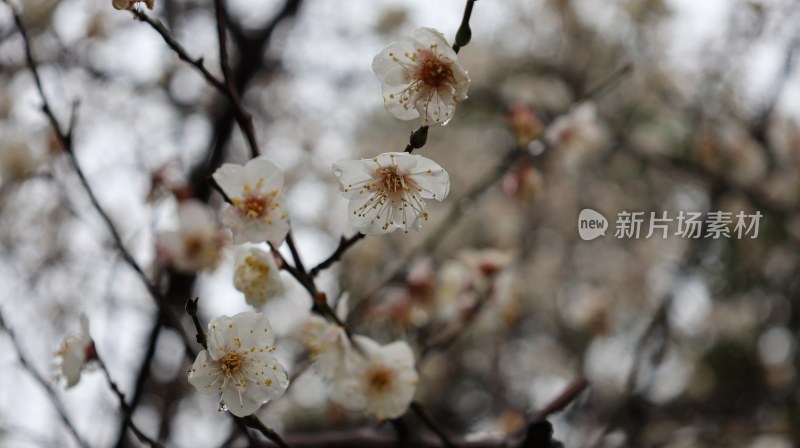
[[298, 262], [563, 400], [243, 118], [344, 244], [127, 412], [431, 423], [51, 394], [141, 377], [253, 422]]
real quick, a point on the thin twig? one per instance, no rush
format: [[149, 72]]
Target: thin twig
[[562, 400], [127, 413], [298, 262], [429, 421], [344, 245], [65, 138], [254, 422], [179, 50], [51, 394], [141, 377]]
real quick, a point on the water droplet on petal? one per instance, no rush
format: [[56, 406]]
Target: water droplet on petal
[[222, 406]]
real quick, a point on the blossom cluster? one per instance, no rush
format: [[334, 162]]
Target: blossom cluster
[[422, 79]]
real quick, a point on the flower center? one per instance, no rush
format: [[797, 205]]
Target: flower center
[[230, 363], [379, 379], [432, 71], [193, 245], [389, 182], [254, 264], [252, 206]]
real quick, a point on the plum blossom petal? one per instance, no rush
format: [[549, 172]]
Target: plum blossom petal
[[421, 77], [258, 211], [328, 346], [388, 192], [239, 363]]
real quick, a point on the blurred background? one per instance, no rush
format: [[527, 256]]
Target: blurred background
[[623, 105]]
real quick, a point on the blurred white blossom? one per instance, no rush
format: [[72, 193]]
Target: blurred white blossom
[[328, 345], [388, 192], [239, 363], [577, 133], [198, 242], [258, 209], [75, 351], [379, 379], [421, 77], [256, 275]]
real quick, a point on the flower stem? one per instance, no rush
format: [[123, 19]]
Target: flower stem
[[191, 310]]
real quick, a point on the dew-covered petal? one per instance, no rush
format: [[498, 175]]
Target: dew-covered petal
[[238, 402], [394, 64], [435, 107], [351, 175]]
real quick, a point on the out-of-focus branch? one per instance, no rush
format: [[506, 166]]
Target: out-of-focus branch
[[563, 400], [127, 412], [141, 377], [251, 49], [431, 423], [65, 138], [243, 117], [254, 422], [197, 63], [51, 394]]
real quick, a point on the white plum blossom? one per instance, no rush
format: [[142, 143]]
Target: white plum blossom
[[381, 380], [256, 275], [421, 77], [328, 345], [388, 192], [239, 363], [199, 241], [258, 211], [577, 133], [75, 351]]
